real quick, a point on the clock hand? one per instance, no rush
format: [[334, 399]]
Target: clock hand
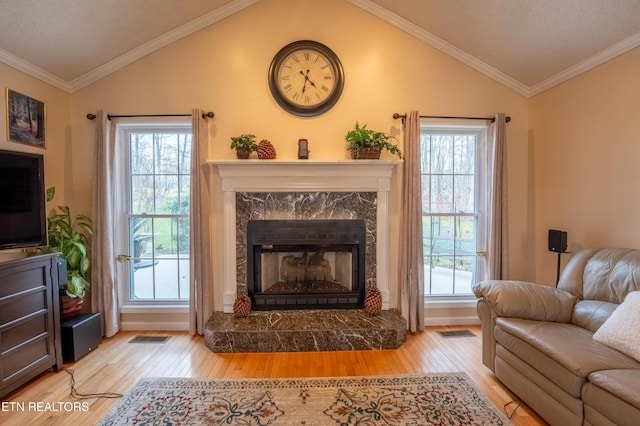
[[304, 86], [306, 78]]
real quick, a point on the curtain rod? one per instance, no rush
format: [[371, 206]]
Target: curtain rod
[[492, 119], [204, 115]]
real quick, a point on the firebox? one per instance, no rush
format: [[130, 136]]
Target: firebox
[[306, 264]]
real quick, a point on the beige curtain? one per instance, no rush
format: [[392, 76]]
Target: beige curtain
[[411, 260], [104, 289], [200, 236], [497, 242]]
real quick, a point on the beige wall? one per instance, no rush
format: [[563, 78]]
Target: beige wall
[[57, 126], [224, 67], [587, 150], [57, 153]]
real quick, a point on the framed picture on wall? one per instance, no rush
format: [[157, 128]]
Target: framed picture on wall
[[25, 119]]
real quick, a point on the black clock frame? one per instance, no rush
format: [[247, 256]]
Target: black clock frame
[[283, 101]]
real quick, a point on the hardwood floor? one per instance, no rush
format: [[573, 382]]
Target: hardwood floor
[[117, 364]]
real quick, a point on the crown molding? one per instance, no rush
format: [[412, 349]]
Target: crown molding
[[600, 58], [617, 49], [440, 44], [30, 69], [128, 57], [159, 42], [234, 6]]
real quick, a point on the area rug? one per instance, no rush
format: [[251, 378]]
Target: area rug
[[428, 399]]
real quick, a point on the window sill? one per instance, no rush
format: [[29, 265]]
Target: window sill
[[450, 302]]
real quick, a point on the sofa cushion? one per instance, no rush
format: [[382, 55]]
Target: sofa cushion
[[564, 353], [591, 314], [624, 384], [602, 274], [622, 330], [612, 397]]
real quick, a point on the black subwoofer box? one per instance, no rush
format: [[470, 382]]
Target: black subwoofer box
[[80, 335]]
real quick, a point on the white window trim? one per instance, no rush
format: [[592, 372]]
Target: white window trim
[[155, 308], [454, 302], [478, 127], [123, 128]]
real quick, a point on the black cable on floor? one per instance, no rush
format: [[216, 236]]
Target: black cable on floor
[[77, 395], [518, 402]]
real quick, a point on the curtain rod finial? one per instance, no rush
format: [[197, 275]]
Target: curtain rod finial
[[91, 116], [209, 114], [396, 116]]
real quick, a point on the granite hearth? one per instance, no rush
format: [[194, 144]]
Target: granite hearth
[[305, 331]]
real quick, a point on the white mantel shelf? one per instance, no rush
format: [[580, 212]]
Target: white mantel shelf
[[293, 161], [256, 175], [322, 175]]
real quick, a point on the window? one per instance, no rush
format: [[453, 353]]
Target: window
[[157, 213], [450, 206]]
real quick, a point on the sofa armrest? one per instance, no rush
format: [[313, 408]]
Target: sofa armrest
[[520, 299], [488, 324]]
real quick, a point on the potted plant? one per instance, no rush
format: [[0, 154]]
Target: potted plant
[[366, 143], [70, 235], [244, 145]]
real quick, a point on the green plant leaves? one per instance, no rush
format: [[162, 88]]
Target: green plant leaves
[[244, 141], [361, 137], [70, 236]]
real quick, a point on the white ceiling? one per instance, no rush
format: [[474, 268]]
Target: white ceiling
[[528, 45]]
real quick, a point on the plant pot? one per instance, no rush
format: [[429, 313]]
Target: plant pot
[[70, 306], [368, 153], [242, 153]]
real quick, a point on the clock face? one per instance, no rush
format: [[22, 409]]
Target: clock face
[[306, 78]]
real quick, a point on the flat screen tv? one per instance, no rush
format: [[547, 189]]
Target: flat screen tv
[[23, 221]]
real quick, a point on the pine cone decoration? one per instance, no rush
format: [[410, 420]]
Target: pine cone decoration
[[266, 151], [242, 306], [373, 300]]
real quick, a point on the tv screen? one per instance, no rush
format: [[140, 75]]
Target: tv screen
[[23, 221]]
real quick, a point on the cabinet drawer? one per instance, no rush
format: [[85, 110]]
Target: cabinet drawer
[[21, 305], [29, 355], [17, 280], [14, 335]]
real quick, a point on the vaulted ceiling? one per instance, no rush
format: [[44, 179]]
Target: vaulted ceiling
[[527, 45]]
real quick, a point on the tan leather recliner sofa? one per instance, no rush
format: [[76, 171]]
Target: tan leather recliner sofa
[[538, 340]]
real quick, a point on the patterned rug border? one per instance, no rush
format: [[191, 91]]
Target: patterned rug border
[[118, 413]]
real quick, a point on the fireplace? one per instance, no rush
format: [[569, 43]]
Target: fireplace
[[294, 192], [306, 264], [301, 190]]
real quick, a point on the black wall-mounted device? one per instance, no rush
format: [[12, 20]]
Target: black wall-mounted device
[[557, 241]]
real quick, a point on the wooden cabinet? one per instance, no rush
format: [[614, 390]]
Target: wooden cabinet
[[29, 320]]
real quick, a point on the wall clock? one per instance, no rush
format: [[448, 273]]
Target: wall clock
[[306, 78]]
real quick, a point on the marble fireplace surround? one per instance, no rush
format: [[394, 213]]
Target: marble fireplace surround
[[240, 178]]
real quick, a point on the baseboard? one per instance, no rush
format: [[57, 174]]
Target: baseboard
[[181, 326], [432, 321]]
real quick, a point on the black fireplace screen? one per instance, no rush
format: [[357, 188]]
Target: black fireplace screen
[[306, 264]]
